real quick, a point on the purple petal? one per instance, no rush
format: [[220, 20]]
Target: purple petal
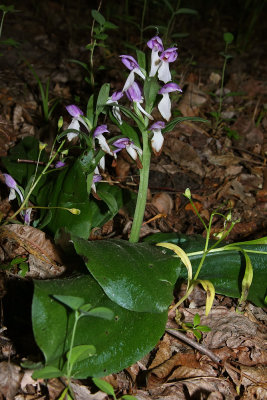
[[74, 111], [129, 62], [169, 55], [117, 96], [27, 216], [170, 87], [10, 182], [60, 164], [97, 178], [157, 125], [122, 143], [100, 130], [155, 44], [134, 92]]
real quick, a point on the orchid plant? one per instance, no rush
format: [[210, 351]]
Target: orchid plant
[[142, 92]]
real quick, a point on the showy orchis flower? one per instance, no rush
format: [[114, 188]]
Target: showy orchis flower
[[167, 57], [155, 44], [134, 94], [77, 114], [98, 134], [131, 148], [134, 67], [157, 139], [116, 110], [11, 183], [164, 105]]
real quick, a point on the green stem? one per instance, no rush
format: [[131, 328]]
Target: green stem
[[69, 365], [142, 192], [2, 21]]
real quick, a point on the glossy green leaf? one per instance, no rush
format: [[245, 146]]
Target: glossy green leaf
[[100, 312], [47, 373], [80, 353], [119, 342], [73, 302], [101, 100], [137, 276], [225, 269], [104, 386]]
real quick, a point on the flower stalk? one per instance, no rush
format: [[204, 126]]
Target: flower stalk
[[142, 192]]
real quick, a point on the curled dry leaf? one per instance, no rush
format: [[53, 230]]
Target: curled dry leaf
[[163, 202], [37, 245]]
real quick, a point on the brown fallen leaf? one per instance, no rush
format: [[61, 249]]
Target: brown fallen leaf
[[163, 202], [10, 377]]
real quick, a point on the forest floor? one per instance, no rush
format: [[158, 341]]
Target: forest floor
[[224, 166]]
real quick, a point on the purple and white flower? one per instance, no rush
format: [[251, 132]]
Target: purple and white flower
[[134, 94], [134, 67], [164, 105], [116, 110], [76, 114], [131, 148], [156, 45], [157, 139], [98, 134], [166, 57], [11, 183]]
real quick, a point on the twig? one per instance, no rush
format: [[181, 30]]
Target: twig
[[194, 344]]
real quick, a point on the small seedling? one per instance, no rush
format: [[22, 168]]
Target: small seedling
[[228, 39], [196, 328], [20, 263], [75, 353]]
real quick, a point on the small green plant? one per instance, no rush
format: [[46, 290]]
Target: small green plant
[[10, 41], [231, 133], [194, 327], [48, 105], [228, 39], [98, 38], [107, 388], [17, 262], [75, 353]]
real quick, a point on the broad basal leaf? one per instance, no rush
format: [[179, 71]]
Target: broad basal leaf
[[137, 276], [119, 342]]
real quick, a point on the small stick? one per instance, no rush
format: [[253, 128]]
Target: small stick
[[194, 344]]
